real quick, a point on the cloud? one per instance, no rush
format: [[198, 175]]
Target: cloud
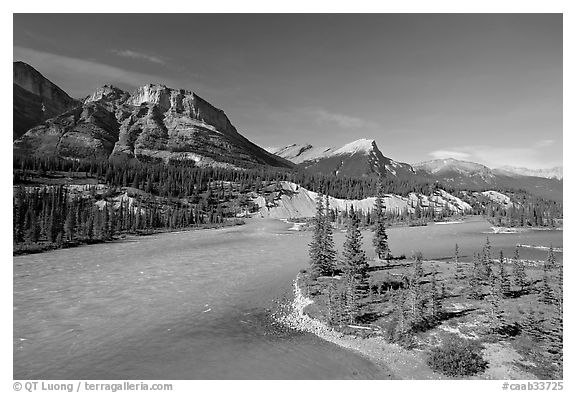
[[544, 143], [495, 156], [138, 55], [342, 121], [440, 154], [79, 77]]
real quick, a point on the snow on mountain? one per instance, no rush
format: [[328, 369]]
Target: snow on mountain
[[549, 173], [356, 159], [300, 153], [295, 201]]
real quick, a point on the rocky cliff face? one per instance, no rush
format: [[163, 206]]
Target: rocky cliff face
[[356, 159], [35, 99], [155, 123]]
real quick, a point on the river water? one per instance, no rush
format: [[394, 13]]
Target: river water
[[194, 305]]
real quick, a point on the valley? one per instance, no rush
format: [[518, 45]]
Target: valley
[[153, 240]]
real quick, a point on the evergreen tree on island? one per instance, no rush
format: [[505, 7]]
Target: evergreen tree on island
[[321, 251], [380, 240], [356, 264], [354, 256]]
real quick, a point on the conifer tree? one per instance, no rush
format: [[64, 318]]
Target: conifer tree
[[436, 302], [550, 262], [518, 270], [416, 298], [475, 278], [380, 240], [356, 264], [321, 249], [503, 280], [354, 256], [486, 259], [495, 313], [460, 274], [546, 292], [316, 246], [329, 260]]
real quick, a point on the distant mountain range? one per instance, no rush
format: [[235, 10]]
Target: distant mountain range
[[356, 159], [160, 124], [551, 173], [470, 175]]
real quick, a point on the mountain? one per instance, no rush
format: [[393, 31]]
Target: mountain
[[550, 173], [456, 173], [35, 99], [356, 159], [472, 176], [155, 123]]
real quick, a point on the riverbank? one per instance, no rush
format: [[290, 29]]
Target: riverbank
[[391, 358], [36, 248], [502, 358]]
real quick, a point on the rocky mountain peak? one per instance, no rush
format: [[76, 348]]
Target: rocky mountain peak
[[107, 93], [358, 146]]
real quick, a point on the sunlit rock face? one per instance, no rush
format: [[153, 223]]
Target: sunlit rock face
[[154, 123]]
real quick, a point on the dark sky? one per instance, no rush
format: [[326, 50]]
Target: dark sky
[[481, 87]]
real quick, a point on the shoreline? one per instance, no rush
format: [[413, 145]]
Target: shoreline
[[121, 238], [391, 358], [398, 362]]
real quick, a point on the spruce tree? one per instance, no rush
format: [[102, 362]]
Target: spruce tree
[[436, 303], [550, 262], [354, 256], [356, 264], [475, 278], [316, 246], [328, 263], [321, 249], [486, 270], [518, 270], [460, 274], [546, 293], [495, 313], [503, 280], [380, 240], [416, 298]]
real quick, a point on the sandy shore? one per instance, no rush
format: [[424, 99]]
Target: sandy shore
[[401, 363]]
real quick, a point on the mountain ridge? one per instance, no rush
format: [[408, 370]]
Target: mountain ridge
[[359, 158], [154, 123], [35, 99]]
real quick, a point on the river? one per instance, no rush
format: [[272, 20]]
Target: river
[[195, 305]]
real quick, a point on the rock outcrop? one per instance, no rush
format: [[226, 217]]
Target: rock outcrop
[[294, 201], [35, 99], [155, 123]]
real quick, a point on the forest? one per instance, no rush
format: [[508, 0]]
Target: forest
[[61, 203]]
